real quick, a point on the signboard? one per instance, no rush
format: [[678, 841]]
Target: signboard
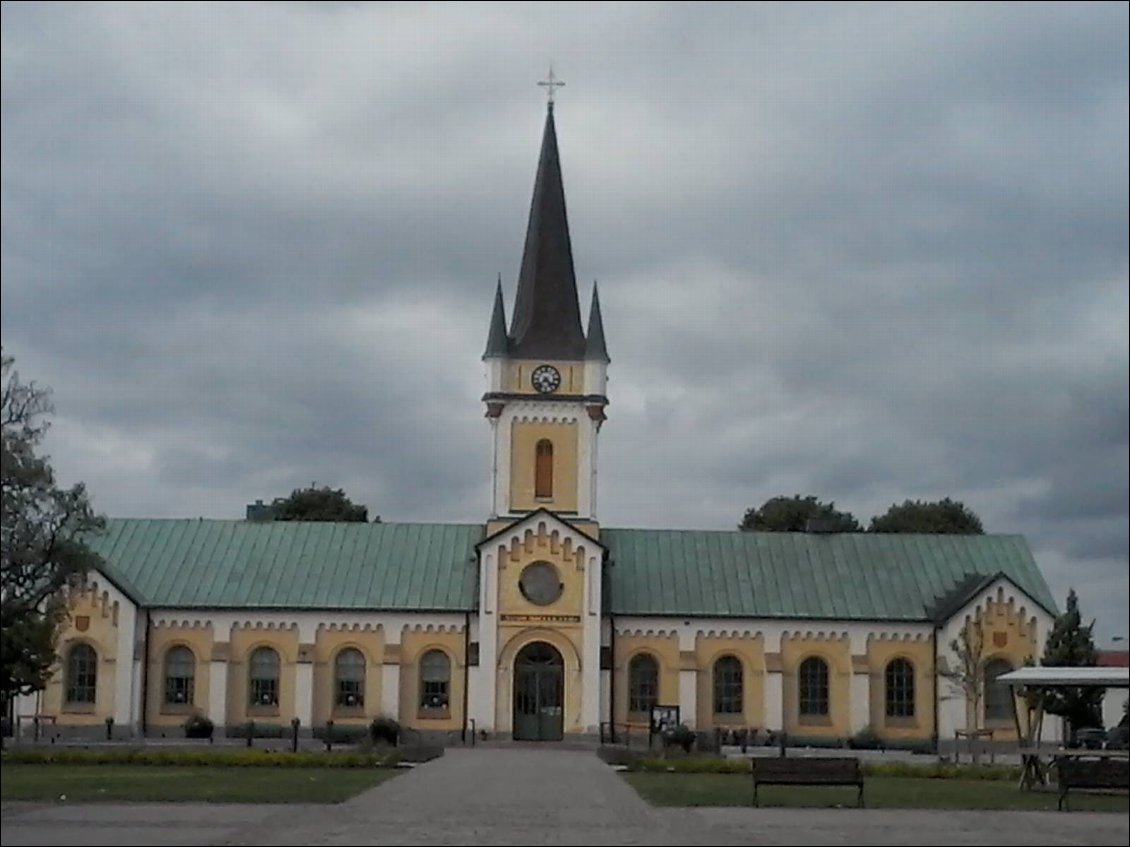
[[541, 618], [664, 718]]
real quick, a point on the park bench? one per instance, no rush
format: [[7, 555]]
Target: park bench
[[1109, 774], [840, 770]]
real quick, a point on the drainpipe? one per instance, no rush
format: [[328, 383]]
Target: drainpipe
[[466, 669], [937, 682], [612, 675], [144, 722]]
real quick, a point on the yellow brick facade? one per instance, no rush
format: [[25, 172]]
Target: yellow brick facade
[[518, 373], [835, 651], [414, 645], [663, 648], [245, 640], [194, 636], [919, 652], [749, 649], [329, 644], [523, 458], [92, 620]]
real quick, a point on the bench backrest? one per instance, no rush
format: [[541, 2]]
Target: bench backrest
[[821, 771], [1094, 773]]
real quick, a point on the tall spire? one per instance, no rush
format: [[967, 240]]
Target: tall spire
[[497, 343], [547, 317], [594, 346]]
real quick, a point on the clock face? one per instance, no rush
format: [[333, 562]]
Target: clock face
[[545, 379]]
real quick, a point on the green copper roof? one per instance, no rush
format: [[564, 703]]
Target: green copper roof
[[386, 566], [236, 564], [859, 576]]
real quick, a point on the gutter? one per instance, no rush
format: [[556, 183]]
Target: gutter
[[144, 717], [466, 670]]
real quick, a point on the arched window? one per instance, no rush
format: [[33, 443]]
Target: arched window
[[643, 684], [728, 686], [349, 678], [900, 689], [998, 699], [813, 681], [264, 689], [543, 469], [82, 674], [435, 681], [180, 676]]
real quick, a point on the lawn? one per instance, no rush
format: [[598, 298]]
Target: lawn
[[710, 789], [85, 783]]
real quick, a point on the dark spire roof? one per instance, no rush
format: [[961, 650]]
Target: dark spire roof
[[547, 317], [497, 343], [594, 347]]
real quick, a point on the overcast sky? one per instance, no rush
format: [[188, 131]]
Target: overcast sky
[[865, 252]]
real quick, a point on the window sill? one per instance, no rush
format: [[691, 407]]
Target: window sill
[[177, 708], [349, 711], [434, 714], [906, 721], [263, 711], [729, 717], [79, 708], [815, 720]]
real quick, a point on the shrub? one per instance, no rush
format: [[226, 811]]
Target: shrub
[[682, 736], [198, 726], [203, 757], [616, 755], [385, 729], [866, 739], [343, 733]]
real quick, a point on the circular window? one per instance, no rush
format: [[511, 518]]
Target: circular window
[[540, 583]]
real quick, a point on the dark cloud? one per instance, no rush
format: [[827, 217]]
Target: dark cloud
[[870, 252]]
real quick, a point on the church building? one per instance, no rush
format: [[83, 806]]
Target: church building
[[540, 622]]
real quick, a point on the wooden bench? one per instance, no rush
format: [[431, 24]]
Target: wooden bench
[[840, 770], [1110, 774]]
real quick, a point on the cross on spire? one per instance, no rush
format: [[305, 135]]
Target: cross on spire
[[550, 83]]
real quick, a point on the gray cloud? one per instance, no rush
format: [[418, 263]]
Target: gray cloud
[[869, 252]]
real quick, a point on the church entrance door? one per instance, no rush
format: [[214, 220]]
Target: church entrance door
[[539, 693]]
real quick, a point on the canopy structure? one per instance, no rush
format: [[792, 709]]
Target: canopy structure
[[1054, 677], [1042, 678]]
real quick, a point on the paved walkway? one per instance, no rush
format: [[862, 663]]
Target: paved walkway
[[526, 796]]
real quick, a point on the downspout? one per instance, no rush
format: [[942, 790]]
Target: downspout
[[937, 683], [612, 675], [466, 669], [144, 722]]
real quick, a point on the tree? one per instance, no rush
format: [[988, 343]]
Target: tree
[[945, 517], [798, 514], [967, 672], [1071, 645], [319, 504], [41, 546]]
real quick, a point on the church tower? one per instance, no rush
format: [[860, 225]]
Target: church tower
[[546, 394]]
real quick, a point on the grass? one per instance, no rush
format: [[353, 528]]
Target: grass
[[117, 783], [713, 789]]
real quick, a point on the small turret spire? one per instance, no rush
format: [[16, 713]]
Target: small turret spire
[[497, 343], [594, 345]]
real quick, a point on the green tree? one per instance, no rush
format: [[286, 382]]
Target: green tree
[[1071, 645], [966, 671], [946, 517], [798, 514], [319, 504], [41, 544]]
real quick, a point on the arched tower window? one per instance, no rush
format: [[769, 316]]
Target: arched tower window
[[180, 676], [643, 684], [264, 688], [82, 674], [900, 689], [728, 685], [813, 681], [998, 698], [349, 678], [543, 469]]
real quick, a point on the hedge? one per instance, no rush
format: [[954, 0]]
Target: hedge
[[199, 758]]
